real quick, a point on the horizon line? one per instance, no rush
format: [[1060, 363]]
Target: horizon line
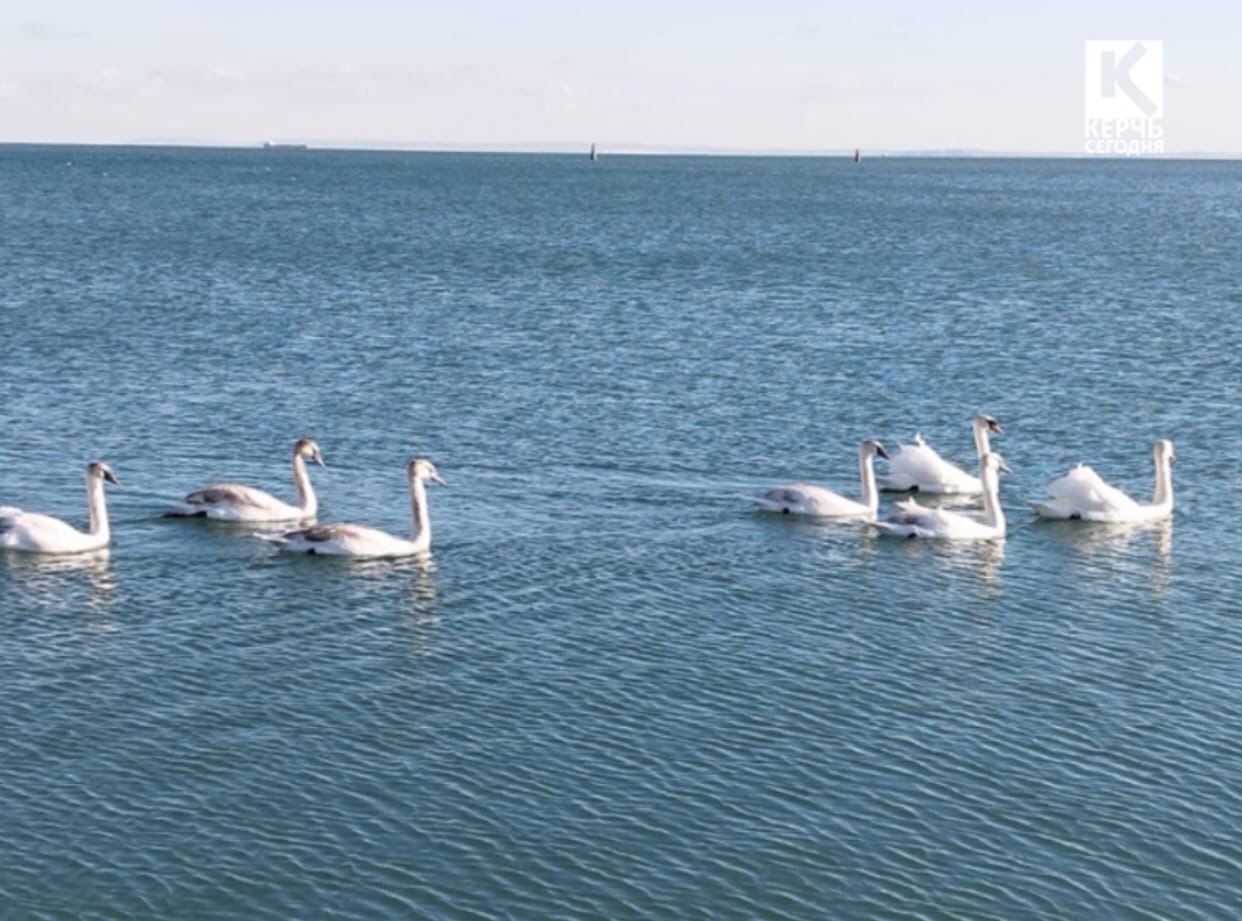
[[622, 149]]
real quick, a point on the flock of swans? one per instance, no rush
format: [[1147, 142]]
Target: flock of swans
[[235, 502], [1080, 495], [916, 468]]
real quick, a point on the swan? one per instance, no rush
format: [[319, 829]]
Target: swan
[[804, 499], [234, 502], [36, 533], [913, 520], [360, 541], [918, 468], [1083, 494]]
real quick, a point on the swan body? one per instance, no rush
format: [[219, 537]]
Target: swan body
[[910, 519], [818, 502], [234, 502], [1082, 494], [919, 468], [35, 533], [357, 540]]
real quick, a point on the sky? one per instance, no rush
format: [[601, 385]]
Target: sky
[[776, 76]]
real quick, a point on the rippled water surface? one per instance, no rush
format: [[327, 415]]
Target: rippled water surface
[[616, 691]]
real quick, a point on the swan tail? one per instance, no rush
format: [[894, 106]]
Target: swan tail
[[776, 505], [185, 511], [892, 483], [901, 529], [1050, 509]]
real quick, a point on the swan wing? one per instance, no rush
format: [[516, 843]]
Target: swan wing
[[815, 501], [43, 534], [912, 515], [341, 540], [231, 494], [909, 519], [920, 466], [1083, 490], [234, 501]]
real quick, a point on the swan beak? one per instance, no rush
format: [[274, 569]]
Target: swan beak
[[436, 478], [879, 450], [1002, 465], [111, 478], [319, 461], [996, 427]]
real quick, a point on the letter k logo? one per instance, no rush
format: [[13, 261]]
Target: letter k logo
[[1115, 75]]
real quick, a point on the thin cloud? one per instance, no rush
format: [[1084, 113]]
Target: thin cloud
[[47, 31]]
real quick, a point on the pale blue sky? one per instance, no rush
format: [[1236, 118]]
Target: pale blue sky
[[781, 75]]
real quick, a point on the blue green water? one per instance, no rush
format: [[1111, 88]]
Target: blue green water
[[616, 691]]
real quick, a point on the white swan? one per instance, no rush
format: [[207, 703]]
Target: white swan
[[815, 501], [44, 534], [910, 519], [234, 502], [918, 468], [360, 541], [1082, 494]]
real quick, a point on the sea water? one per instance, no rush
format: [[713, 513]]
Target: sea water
[[616, 690]]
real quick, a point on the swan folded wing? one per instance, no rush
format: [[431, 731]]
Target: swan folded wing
[[232, 495], [911, 514], [806, 499], [322, 533], [1085, 490], [919, 464], [33, 531], [784, 495]]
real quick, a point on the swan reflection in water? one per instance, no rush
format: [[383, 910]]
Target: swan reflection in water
[[55, 581], [1132, 545], [980, 559], [406, 584]]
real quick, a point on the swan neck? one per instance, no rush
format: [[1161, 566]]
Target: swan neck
[[1164, 482], [307, 501], [993, 514], [983, 444], [866, 476], [420, 521], [97, 508]]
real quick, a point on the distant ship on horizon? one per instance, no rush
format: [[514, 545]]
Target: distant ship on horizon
[[273, 145], [593, 155], [857, 155]]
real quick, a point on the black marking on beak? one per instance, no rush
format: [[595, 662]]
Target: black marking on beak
[[111, 478]]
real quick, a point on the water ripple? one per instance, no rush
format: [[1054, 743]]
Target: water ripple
[[616, 690]]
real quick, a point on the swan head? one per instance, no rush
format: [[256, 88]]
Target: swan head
[[422, 469], [872, 448], [98, 470], [306, 449], [984, 421], [1162, 450]]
